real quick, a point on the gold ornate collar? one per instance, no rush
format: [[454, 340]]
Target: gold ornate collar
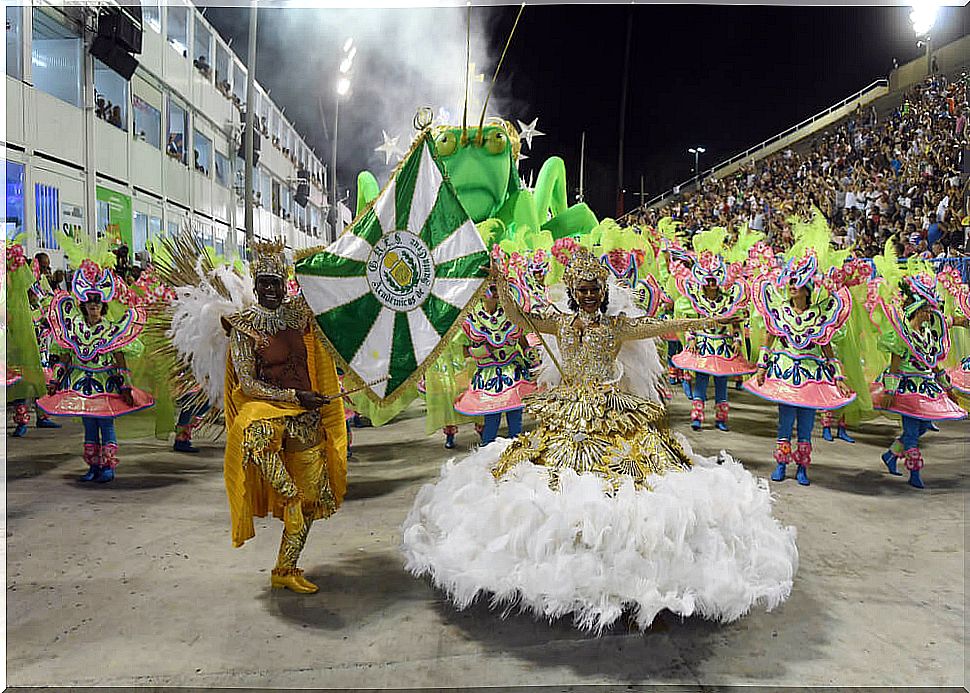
[[257, 321]]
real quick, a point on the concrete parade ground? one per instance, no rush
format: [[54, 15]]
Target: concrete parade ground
[[135, 583]]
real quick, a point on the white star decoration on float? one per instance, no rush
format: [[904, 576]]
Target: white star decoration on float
[[390, 148], [527, 132]]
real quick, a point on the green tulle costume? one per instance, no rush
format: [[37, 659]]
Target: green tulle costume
[[23, 355]]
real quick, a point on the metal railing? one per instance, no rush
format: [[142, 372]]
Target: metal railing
[[879, 83]]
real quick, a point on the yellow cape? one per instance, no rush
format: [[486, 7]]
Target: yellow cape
[[249, 494]]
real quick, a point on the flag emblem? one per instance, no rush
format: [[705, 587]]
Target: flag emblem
[[400, 271]]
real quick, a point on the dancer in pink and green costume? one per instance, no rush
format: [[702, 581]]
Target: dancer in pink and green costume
[[916, 335], [797, 368], [94, 380], [711, 289], [502, 377]]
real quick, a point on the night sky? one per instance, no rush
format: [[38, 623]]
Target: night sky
[[722, 77]]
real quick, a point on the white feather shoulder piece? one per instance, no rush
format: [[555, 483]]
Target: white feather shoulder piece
[[197, 332]]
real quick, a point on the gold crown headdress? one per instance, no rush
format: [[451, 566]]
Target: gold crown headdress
[[584, 267], [268, 259]]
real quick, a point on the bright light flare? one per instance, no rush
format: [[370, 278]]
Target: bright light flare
[[343, 86], [348, 44], [345, 65], [923, 17]]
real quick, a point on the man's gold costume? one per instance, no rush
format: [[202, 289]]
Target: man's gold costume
[[281, 457]]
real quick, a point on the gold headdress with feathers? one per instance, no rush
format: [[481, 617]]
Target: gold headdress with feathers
[[584, 267], [268, 259]]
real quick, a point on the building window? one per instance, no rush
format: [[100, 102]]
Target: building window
[[57, 57], [139, 235], [202, 56], [222, 169], [275, 192], [150, 15], [14, 217], [110, 96], [238, 84], [154, 227], [48, 214], [222, 71], [147, 118], [178, 126], [178, 28], [202, 146], [174, 227], [15, 41], [275, 128], [287, 205], [265, 186], [264, 115]]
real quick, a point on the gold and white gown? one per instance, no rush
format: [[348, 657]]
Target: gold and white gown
[[600, 509]]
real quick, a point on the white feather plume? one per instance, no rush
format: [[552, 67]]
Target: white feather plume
[[638, 359], [197, 332]]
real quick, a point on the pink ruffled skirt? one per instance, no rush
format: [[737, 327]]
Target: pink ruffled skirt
[[108, 406]]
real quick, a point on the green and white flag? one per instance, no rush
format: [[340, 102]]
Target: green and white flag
[[395, 284]]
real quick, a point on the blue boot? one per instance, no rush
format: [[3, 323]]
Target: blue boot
[[932, 427], [721, 426], [889, 459], [844, 435], [106, 475], [695, 424], [47, 423], [93, 473], [450, 441], [185, 446], [914, 479], [827, 434], [779, 473], [802, 475], [20, 431]]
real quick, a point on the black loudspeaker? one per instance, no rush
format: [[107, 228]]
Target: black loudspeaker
[[302, 195], [123, 27], [114, 56]]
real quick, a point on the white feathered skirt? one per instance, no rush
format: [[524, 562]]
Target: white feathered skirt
[[701, 542]]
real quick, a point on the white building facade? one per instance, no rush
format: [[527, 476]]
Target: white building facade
[[87, 150]]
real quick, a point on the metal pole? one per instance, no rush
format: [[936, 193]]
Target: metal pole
[[582, 162], [334, 212], [641, 191], [623, 90], [929, 55], [250, 122]]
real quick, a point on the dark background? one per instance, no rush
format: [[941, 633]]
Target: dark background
[[722, 77]]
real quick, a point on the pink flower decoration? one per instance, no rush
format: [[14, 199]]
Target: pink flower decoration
[[90, 271], [15, 257]]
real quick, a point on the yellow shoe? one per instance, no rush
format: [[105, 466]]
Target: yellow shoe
[[293, 580], [307, 584]]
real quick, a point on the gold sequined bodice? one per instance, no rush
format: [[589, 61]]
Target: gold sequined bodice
[[589, 348]]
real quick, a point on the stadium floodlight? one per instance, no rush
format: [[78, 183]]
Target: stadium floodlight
[[348, 44], [343, 86], [696, 151], [923, 17], [345, 65]]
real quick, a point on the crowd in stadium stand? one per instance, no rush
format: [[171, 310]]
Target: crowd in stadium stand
[[901, 177]]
